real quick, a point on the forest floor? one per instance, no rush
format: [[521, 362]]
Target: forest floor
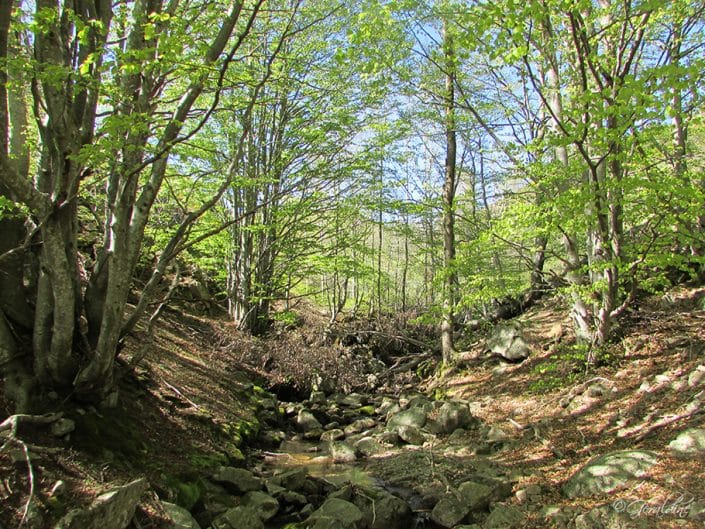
[[192, 403]]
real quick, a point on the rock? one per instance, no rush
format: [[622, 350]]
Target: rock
[[415, 417], [390, 438], [410, 434], [556, 517], [697, 510], [306, 422], [449, 417], [359, 425], [610, 517], [385, 511], [336, 434], [496, 435], [342, 452], [386, 405], [449, 511], [215, 500], [237, 480], [113, 509], [609, 472], [476, 496], [263, 504], [504, 517], [62, 427], [336, 514], [353, 400], [317, 397], [180, 517], [238, 518], [697, 376], [368, 446], [292, 479], [689, 442], [508, 341]]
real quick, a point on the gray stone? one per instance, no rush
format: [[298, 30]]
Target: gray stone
[[449, 417], [180, 517], [697, 376], [238, 518], [410, 434], [415, 417], [609, 517], [353, 400], [384, 511], [335, 434], [504, 517], [237, 480], [342, 452], [368, 446], [449, 511], [263, 504], [62, 427], [359, 425], [689, 442], [113, 509], [476, 496], [336, 514], [306, 422], [292, 479], [508, 342], [496, 435], [609, 472], [317, 397]]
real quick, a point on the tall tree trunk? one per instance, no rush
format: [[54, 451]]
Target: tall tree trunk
[[449, 184]]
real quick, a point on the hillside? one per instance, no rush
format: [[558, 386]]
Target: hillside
[[208, 398]]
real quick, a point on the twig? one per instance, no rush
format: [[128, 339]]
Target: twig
[[175, 390]]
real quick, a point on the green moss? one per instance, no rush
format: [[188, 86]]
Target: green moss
[[366, 410], [238, 431], [186, 493], [233, 454], [205, 461]]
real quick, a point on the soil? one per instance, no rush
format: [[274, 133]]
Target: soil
[[194, 399]]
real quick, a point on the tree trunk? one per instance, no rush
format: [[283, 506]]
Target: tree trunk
[[449, 184]]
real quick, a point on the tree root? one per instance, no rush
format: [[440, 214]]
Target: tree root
[[8, 428]]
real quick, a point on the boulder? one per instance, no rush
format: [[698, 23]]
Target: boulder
[[410, 434], [62, 427], [342, 452], [238, 518], [508, 341], [359, 425], [237, 480], [113, 509], [292, 479], [415, 417], [688, 443], [336, 434], [180, 517], [307, 423], [449, 417], [611, 517], [368, 446], [504, 517], [476, 496], [384, 511], [263, 504], [336, 514], [609, 472], [449, 511]]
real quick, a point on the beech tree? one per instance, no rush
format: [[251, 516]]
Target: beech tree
[[112, 90]]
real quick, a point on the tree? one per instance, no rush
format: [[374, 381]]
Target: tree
[[127, 62]]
